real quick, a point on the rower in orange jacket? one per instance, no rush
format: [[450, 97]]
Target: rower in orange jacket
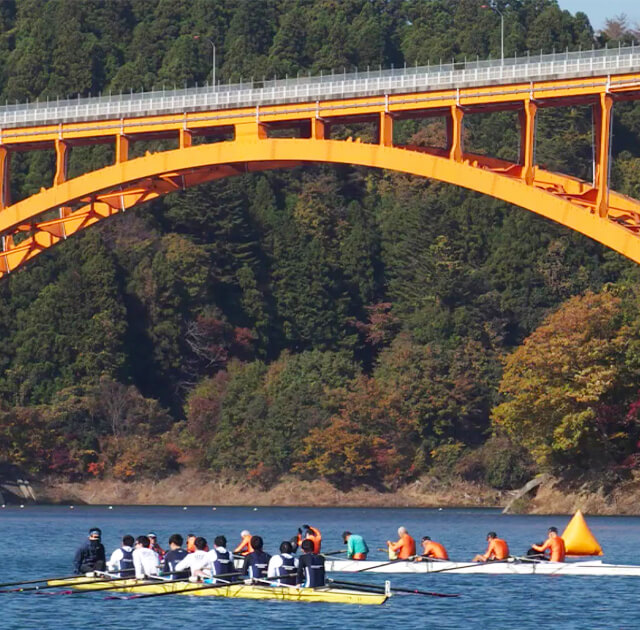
[[554, 544], [310, 533], [404, 547], [432, 549], [497, 549], [245, 547]]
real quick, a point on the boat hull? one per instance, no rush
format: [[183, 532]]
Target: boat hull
[[512, 567], [241, 590]]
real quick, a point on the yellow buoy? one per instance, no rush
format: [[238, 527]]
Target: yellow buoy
[[578, 539]]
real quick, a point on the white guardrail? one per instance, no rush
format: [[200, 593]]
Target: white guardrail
[[526, 68]]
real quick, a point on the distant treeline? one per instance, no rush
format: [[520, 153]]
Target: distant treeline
[[359, 325]]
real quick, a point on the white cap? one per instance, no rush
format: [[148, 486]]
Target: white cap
[[245, 532]]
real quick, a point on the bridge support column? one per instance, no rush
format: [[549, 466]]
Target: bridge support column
[[528, 139], [62, 162], [603, 118], [5, 170], [386, 129], [186, 139], [318, 128], [454, 133], [122, 148], [250, 132]]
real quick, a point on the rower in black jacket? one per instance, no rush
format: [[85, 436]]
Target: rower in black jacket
[[256, 562], [90, 556], [310, 567]]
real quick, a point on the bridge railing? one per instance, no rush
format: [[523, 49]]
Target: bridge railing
[[322, 87]]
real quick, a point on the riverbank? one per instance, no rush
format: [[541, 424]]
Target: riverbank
[[197, 488]]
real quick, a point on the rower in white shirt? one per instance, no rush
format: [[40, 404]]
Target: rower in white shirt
[[121, 561], [145, 560], [196, 561]]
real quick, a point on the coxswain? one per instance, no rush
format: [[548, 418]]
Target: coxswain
[[91, 555], [356, 546], [145, 559], [432, 549], [155, 546], [256, 563], [306, 532], [244, 547], [121, 560], [191, 540], [554, 544], [404, 547], [195, 561], [283, 566], [310, 566], [219, 560], [175, 554], [496, 550]]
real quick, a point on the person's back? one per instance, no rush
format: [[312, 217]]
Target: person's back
[[283, 566], [357, 548], [175, 554], [121, 560], [433, 549], [498, 549], [256, 562], [145, 560], [405, 547], [220, 558], [197, 560], [310, 567]]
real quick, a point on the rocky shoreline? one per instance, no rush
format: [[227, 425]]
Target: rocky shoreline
[[197, 488]]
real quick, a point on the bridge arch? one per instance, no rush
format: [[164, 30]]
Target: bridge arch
[[55, 213]]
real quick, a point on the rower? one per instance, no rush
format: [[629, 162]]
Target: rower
[[195, 561], [256, 562], [432, 549], [356, 546], [91, 555], [121, 560], [244, 547], [404, 547], [175, 554], [310, 567], [310, 533], [155, 546], [554, 544], [496, 550], [219, 559], [283, 565], [145, 559]]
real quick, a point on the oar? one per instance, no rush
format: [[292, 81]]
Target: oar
[[473, 564], [384, 564], [66, 577], [192, 590], [110, 587], [105, 579], [333, 553], [393, 589]]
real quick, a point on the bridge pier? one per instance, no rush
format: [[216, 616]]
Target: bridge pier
[[454, 133]]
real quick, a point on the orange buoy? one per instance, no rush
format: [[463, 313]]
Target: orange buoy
[[578, 539]]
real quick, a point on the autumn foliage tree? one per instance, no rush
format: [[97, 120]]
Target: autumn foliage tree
[[567, 388]]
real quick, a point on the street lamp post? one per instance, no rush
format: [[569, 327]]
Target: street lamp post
[[490, 6], [213, 60]]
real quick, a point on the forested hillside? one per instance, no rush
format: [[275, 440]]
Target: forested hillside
[[357, 325]]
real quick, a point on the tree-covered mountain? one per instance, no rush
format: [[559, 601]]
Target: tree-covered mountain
[[359, 325]]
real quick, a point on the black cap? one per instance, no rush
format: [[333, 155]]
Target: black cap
[[426, 538], [345, 534], [492, 535], [95, 531], [553, 529]]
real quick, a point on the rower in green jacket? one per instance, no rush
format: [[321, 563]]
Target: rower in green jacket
[[356, 546]]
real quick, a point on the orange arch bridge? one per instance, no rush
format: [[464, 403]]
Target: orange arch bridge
[[293, 131]]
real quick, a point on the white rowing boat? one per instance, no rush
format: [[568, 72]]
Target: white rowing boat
[[513, 566]]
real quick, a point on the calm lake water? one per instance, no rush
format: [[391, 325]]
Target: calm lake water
[[41, 541]]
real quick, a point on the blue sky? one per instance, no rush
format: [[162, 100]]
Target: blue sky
[[598, 11]]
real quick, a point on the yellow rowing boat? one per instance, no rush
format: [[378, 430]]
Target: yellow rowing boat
[[246, 591]]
